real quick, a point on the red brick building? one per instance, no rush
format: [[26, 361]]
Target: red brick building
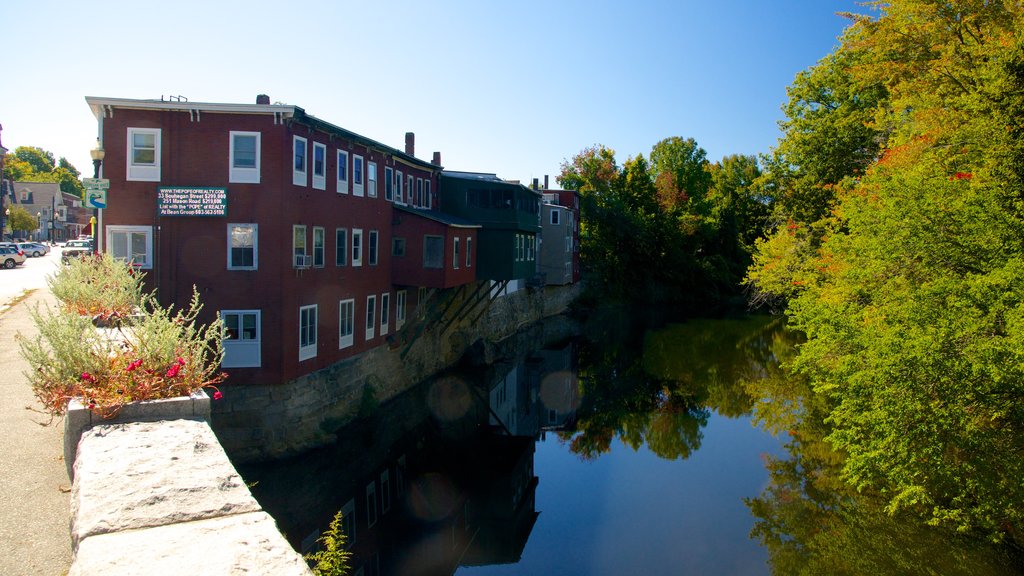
[[313, 242]]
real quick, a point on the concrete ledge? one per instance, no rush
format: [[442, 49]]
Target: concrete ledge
[[163, 498]]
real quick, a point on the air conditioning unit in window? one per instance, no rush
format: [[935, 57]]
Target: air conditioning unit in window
[[303, 260]]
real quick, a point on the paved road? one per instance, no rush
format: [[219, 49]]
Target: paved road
[[34, 487]]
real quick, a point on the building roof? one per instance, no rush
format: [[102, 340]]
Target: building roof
[[446, 219], [40, 194], [103, 107]]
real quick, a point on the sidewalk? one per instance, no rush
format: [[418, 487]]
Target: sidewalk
[[34, 487]]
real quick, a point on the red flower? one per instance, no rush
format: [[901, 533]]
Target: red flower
[[217, 395], [181, 361], [87, 377], [962, 176], [135, 364], [174, 371]]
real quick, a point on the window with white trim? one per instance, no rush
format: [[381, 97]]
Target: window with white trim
[[319, 166], [371, 179], [433, 252], [342, 172], [346, 323], [385, 312], [400, 299], [131, 244], [244, 157], [389, 183], [371, 248], [348, 522], [399, 192], [242, 246], [469, 252], [410, 187], [298, 161], [144, 154], [299, 258], [426, 194], [357, 247], [319, 239], [419, 192], [357, 175], [340, 246], [307, 332], [371, 316], [455, 253], [241, 338]]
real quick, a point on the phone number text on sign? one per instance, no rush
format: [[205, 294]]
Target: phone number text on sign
[[192, 201]]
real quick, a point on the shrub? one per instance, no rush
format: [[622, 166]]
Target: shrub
[[98, 285]]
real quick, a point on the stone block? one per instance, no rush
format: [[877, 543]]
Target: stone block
[[145, 474], [239, 544]]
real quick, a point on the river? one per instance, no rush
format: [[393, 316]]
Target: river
[[637, 449]]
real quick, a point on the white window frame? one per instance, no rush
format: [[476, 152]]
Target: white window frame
[[469, 252], [356, 243], [371, 179], [371, 316], [255, 246], [358, 174], [373, 248], [343, 172], [299, 260], [426, 194], [419, 192], [319, 252], [147, 231], [346, 338], [348, 522], [299, 174], [389, 184], [241, 352], [385, 312], [400, 300], [399, 190], [319, 175], [307, 346], [243, 174], [455, 253], [143, 171], [341, 250], [410, 187]]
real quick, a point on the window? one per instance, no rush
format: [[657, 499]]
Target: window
[[298, 161], [385, 312], [371, 179], [398, 246], [400, 309], [385, 492], [469, 252], [342, 172], [357, 175], [242, 246], [455, 254], [319, 166], [371, 316], [144, 154], [555, 217], [419, 192], [241, 338], [244, 157], [346, 323], [371, 504], [348, 522], [426, 193], [340, 246], [371, 248], [533, 248], [399, 195], [409, 189], [519, 247], [299, 246], [319, 237], [307, 332], [132, 244], [357, 247], [433, 252], [389, 184]]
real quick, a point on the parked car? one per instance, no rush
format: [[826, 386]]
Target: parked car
[[11, 256], [74, 249], [34, 249]]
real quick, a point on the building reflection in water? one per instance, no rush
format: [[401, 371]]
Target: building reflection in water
[[438, 477]]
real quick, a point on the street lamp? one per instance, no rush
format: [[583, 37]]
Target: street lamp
[[39, 225], [97, 153]]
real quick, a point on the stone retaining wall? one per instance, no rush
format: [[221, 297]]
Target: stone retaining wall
[[268, 422]]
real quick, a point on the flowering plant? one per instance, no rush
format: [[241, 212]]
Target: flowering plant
[[162, 354], [100, 286]]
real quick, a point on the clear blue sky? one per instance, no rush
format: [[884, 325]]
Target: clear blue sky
[[513, 88]]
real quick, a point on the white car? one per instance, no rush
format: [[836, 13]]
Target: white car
[[11, 256]]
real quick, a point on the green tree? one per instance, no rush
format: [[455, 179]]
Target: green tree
[[32, 164], [680, 171], [21, 221], [40, 160]]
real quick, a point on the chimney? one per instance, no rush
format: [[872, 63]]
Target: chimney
[[410, 143], [262, 99], [546, 182], [437, 159], [535, 183]]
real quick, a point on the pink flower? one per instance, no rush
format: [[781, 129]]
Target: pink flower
[[174, 371], [181, 361], [135, 364], [217, 395], [87, 377]]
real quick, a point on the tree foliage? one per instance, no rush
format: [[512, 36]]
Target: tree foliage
[[32, 164], [20, 220], [898, 249]]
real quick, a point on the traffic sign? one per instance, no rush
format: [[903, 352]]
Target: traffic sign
[[95, 198], [96, 183]]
